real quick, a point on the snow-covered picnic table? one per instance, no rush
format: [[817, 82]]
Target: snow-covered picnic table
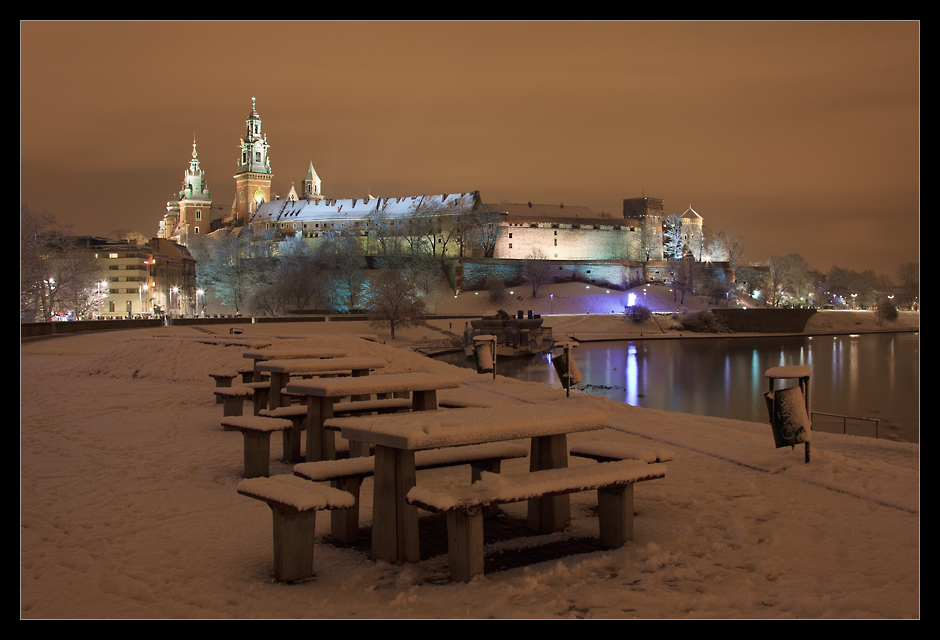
[[397, 437], [262, 355], [321, 392], [282, 370]]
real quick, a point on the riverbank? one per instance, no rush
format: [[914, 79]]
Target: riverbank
[[129, 508], [590, 313]]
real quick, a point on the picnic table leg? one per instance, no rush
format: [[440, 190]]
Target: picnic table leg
[[278, 382], [344, 523], [321, 444], [549, 514], [424, 400], [294, 534], [615, 515], [291, 440], [358, 373], [394, 521], [257, 454]]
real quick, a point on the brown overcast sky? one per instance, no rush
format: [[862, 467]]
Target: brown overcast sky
[[801, 137]]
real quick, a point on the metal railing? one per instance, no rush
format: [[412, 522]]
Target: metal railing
[[445, 343], [846, 418]]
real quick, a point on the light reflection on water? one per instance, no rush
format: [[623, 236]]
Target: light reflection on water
[[869, 376]]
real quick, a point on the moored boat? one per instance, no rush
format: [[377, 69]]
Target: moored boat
[[515, 337]]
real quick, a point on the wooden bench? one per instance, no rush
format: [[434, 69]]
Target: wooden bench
[[257, 432], [233, 399], [602, 451], [464, 504], [261, 392], [222, 380], [298, 413], [294, 504], [349, 474]]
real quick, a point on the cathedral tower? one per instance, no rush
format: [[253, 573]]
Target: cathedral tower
[[253, 176], [310, 185], [191, 214]]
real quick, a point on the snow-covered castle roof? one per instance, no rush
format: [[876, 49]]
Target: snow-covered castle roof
[[361, 208]]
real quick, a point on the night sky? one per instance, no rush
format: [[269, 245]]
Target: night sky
[[800, 137]]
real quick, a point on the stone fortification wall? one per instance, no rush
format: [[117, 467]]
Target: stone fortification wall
[[765, 320], [472, 274], [568, 240]]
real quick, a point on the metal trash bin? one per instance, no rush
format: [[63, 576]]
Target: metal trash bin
[[789, 408]]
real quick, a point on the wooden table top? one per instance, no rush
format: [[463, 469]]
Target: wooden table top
[[388, 383], [453, 427], [314, 365]]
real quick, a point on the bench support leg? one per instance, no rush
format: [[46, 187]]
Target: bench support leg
[[465, 544], [321, 443], [394, 521], [294, 533], [344, 523], [232, 407], [615, 515], [549, 514], [257, 454], [490, 466], [291, 441], [260, 400]]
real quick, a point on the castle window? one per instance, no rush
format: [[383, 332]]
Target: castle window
[[198, 214], [510, 245], [510, 235], [556, 242]]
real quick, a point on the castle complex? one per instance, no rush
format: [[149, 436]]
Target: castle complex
[[552, 232]]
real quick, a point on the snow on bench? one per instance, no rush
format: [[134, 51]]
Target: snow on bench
[[294, 504], [611, 451], [348, 474], [233, 399], [257, 432], [463, 504]]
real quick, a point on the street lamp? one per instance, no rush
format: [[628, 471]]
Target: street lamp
[[200, 292], [552, 296]]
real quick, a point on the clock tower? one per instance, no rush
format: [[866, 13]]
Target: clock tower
[[253, 176]]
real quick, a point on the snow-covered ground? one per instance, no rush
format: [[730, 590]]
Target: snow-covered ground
[[129, 508]]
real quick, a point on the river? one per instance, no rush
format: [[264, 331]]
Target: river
[[874, 376]]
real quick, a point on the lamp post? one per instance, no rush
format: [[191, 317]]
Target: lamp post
[[198, 293], [552, 297]]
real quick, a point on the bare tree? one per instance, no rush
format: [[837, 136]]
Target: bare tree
[[786, 278], [647, 240], [481, 229], [673, 242], [536, 269], [231, 263], [392, 301], [908, 292], [55, 274], [341, 254]]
